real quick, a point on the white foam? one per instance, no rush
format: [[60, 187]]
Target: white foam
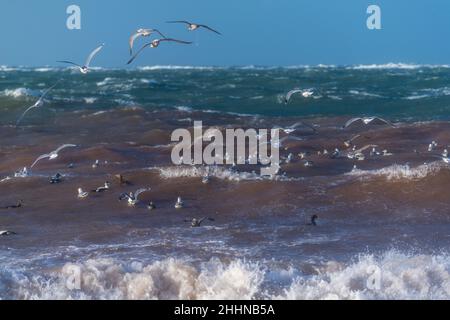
[[169, 67], [403, 66], [392, 275], [222, 173], [399, 172], [18, 93]]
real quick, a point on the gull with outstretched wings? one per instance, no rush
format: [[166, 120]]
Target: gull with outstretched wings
[[52, 155], [133, 198], [38, 103], [142, 33], [154, 44], [195, 26], [305, 94], [367, 121], [85, 68]]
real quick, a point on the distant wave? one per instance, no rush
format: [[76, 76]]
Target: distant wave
[[171, 67], [404, 66], [219, 172], [18, 93], [399, 172]]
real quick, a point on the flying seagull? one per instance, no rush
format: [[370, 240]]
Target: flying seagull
[[195, 26], [367, 121], [131, 197], [52, 155], [154, 44], [5, 233], [85, 68], [305, 94], [295, 126], [38, 103], [142, 33]]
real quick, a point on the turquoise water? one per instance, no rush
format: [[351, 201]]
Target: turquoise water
[[400, 92]]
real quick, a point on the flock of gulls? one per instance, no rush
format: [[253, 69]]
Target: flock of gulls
[[132, 198]]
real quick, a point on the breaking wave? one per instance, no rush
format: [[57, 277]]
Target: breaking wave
[[392, 275], [399, 172]]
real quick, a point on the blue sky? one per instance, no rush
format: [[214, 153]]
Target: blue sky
[[256, 32]]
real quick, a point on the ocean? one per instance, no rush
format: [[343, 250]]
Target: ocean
[[383, 221]]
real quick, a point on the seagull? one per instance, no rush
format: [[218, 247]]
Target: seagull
[[195, 223], [133, 197], [104, 188], [296, 125], [195, 26], [142, 33], [52, 155], [21, 173], [366, 121], [38, 103], [179, 204], [7, 233], [95, 164], [82, 194], [85, 68], [151, 206], [305, 94], [154, 44], [56, 178]]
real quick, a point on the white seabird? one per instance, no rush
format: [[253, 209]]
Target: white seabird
[[7, 233], [85, 68], [142, 33], [179, 204], [366, 121], [104, 188], [305, 94], [52, 155], [82, 194], [195, 26], [133, 198], [38, 103], [154, 44]]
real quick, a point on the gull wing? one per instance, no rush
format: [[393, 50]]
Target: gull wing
[[93, 53], [351, 121], [137, 53], [383, 121], [301, 123], [138, 192], [49, 89], [180, 21], [64, 146], [291, 93], [175, 40], [209, 28], [132, 39], [158, 32], [26, 111], [39, 159]]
